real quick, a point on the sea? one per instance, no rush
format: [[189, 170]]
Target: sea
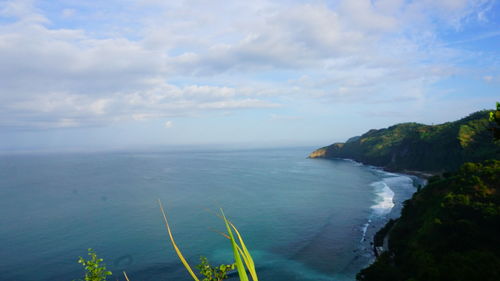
[[301, 219]]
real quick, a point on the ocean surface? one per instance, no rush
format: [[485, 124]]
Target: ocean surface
[[302, 219]]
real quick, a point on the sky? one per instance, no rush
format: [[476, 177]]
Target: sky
[[115, 74]]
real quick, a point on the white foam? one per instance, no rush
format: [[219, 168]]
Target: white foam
[[388, 173], [399, 181], [356, 163], [384, 200], [364, 229]]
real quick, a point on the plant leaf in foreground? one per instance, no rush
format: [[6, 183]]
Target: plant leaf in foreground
[[246, 254], [181, 257], [239, 264]]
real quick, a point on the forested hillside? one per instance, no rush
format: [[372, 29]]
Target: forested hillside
[[448, 231], [413, 146]]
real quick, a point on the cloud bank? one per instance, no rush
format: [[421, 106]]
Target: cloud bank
[[80, 64]]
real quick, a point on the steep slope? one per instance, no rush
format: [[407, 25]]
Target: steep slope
[[448, 231], [413, 146]]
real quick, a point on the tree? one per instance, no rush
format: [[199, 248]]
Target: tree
[[495, 117]]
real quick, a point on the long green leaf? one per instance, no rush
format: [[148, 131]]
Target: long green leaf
[[237, 246], [246, 254], [247, 262], [181, 257], [239, 264], [247, 258]]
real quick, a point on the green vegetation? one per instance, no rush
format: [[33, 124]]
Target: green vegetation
[[378, 240], [94, 269], [243, 260], [495, 119], [448, 231], [213, 273], [413, 146]]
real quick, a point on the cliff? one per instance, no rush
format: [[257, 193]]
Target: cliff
[[413, 146]]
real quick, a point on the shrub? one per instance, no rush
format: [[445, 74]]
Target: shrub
[[94, 270]]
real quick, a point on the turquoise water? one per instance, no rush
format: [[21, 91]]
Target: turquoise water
[[302, 219]]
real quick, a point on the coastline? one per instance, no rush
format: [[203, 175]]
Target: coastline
[[420, 174], [401, 194], [376, 223], [380, 236]]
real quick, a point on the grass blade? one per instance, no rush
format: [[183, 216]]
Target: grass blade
[[247, 258], [237, 247], [181, 257], [246, 254], [239, 264], [247, 262]]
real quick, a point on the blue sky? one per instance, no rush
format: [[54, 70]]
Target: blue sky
[[112, 74]]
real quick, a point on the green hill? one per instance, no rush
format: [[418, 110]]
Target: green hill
[[448, 231], [413, 146]]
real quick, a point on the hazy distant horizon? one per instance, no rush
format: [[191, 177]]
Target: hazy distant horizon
[[83, 145], [193, 147]]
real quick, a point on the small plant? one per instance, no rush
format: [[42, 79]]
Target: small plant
[[94, 270], [211, 273], [243, 261]]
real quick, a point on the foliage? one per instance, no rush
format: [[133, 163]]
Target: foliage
[[413, 146], [495, 119], [378, 239], [242, 257], [212, 273], [176, 248], [447, 231], [94, 269]]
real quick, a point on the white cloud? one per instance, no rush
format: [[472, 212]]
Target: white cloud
[[453, 13], [294, 37], [194, 56], [67, 13], [168, 124], [24, 10], [488, 78], [238, 104], [364, 16]]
